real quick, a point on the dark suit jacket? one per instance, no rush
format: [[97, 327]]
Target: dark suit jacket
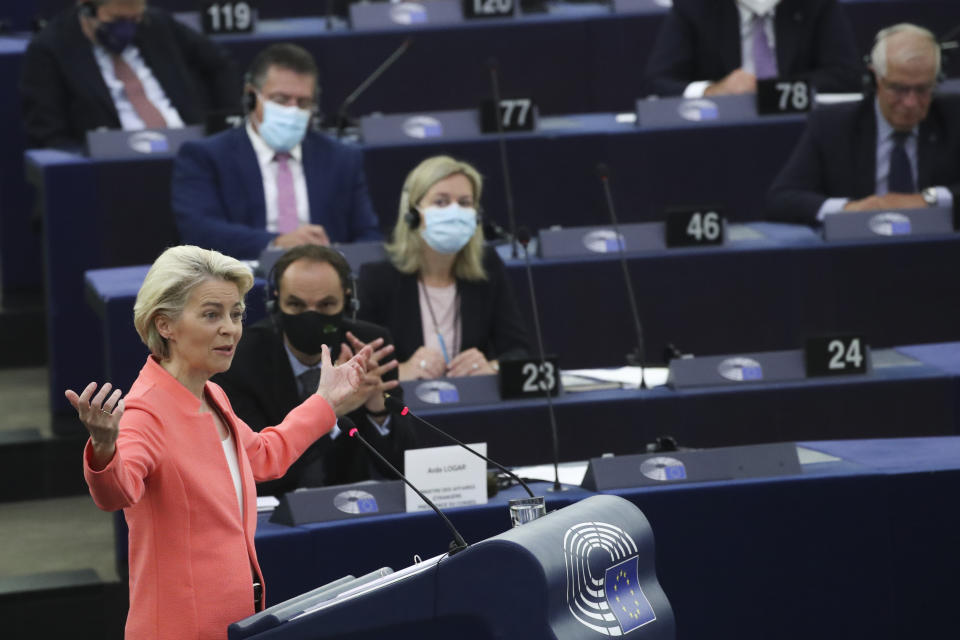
[[700, 40], [64, 94], [262, 390], [488, 310], [218, 196], [837, 158]]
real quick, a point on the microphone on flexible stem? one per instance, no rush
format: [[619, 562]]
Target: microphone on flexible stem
[[458, 543], [504, 166], [397, 406], [386, 64], [523, 237], [636, 357]]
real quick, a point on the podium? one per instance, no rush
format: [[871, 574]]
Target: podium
[[583, 570]]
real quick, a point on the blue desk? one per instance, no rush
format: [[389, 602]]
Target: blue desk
[[864, 547]]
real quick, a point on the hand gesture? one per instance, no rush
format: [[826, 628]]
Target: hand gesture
[[101, 417], [469, 363], [373, 384], [338, 383], [424, 363]]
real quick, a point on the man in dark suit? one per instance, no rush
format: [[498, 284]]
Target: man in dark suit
[[276, 366], [896, 149], [117, 64], [273, 182], [718, 47]]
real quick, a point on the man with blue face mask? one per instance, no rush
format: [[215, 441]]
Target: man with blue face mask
[[116, 64], [273, 183]]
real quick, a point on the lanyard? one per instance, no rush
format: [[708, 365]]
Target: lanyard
[[436, 326]]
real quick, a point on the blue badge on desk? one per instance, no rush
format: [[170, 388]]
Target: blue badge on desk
[[698, 110], [625, 598], [740, 369], [408, 13], [604, 241], [890, 224], [663, 469], [423, 127], [149, 142], [438, 392], [355, 501]]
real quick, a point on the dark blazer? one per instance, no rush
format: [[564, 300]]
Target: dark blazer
[[218, 196], [700, 40], [488, 310], [262, 390], [64, 95], [837, 158]]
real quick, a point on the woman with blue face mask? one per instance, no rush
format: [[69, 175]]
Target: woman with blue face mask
[[443, 295]]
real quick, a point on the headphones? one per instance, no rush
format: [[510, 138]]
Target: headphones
[[249, 102], [351, 295]]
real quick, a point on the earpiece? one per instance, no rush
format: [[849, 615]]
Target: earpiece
[[249, 102], [412, 218]]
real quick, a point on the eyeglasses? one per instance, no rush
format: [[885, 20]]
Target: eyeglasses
[[307, 104], [901, 91]]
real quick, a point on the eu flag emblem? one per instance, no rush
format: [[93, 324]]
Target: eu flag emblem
[[624, 596]]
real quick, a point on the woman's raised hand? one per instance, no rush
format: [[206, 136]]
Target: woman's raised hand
[[338, 383], [100, 414]]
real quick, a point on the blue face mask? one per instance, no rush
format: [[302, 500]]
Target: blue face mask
[[448, 229], [117, 35], [283, 128]]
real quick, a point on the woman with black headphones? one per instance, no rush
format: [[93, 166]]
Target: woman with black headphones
[[443, 295]]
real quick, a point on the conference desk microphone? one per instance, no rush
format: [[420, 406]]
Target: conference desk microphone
[[458, 543], [494, 67], [634, 358], [397, 406], [523, 238], [379, 71]]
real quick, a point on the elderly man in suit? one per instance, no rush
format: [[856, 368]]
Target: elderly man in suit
[[273, 182], [896, 149], [278, 362], [116, 64], [720, 47]]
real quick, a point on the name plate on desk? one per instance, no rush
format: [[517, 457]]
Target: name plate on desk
[[340, 502], [116, 144], [447, 392], [473, 9], [529, 378], [585, 241], [860, 225], [450, 476], [837, 356], [397, 15], [723, 463], [228, 17], [695, 227], [693, 112], [769, 366], [514, 114], [777, 96], [407, 127], [641, 6]]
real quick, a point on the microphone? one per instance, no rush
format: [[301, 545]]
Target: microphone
[[458, 543], [379, 71], [397, 406], [504, 166], [523, 237], [636, 357]]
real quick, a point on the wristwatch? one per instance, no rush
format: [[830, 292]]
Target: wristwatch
[[930, 196]]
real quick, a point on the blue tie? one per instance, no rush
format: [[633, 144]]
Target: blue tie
[[900, 179]]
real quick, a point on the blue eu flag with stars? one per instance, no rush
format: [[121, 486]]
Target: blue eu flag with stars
[[626, 600]]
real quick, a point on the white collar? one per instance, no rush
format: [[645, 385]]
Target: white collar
[[264, 153]]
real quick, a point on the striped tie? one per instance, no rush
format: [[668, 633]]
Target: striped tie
[[133, 88]]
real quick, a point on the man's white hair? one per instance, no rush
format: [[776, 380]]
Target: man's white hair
[[923, 44]]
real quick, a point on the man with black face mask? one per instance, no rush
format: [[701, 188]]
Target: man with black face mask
[[277, 364], [119, 65]]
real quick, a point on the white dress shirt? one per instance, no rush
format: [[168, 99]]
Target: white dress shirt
[[268, 171], [695, 89], [129, 120]]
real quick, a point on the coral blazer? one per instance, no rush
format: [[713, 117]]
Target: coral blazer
[[192, 556]]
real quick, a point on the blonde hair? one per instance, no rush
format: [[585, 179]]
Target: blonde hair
[[406, 246], [171, 280], [879, 58]]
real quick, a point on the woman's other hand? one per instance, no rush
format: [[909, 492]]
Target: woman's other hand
[[469, 363], [424, 363], [100, 415]]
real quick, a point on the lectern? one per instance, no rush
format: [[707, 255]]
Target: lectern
[[584, 571]]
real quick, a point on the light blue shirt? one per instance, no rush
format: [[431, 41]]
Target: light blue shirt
[[884, 151], [299, 368]]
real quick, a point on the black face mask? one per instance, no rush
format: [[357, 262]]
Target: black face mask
[[115, 36], [310, 330]]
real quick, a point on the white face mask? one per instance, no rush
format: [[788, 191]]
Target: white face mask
[[759, 7]]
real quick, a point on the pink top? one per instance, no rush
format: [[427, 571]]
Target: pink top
[[443, 300], [191, 553]]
